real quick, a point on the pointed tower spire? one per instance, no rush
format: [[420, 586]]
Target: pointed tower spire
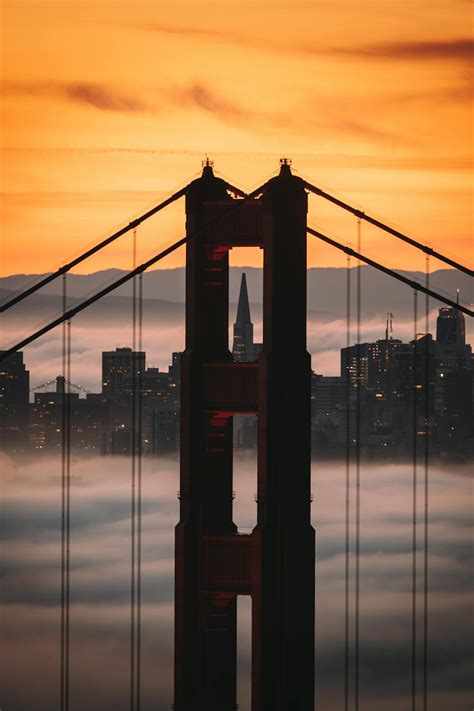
[[243, 346], [243, 309]]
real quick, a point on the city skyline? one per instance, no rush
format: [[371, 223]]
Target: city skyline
[[101, 420], [102, 327], [126, 345]]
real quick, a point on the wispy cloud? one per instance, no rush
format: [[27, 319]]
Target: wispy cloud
[[205, 33], [108, 98], [201, 96], [98, 96], [178, 30], [359, 128], [457, 48], [454, 49]]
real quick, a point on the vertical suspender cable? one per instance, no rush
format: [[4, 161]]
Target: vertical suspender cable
[[358, 431], [63, 501], [65, 505], [133, 485], [139, 493], [414, 503], [348, 465], [426, 483], [67, 399]]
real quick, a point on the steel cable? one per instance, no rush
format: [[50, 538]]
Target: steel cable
[[133, 446], [381, 225], [348, 465], [93, 250], [127, 277], [414, 505], [63, 500], [65, 505], [67, 398], [357, 502], [139, 497], [426, 492]]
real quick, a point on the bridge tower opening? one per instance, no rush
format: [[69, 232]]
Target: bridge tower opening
[[274, 564]]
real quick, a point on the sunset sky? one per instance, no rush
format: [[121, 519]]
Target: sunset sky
[[108, 107]]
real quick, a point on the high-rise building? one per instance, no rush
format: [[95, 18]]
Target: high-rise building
[[244, 349], [376, 362], [355, 364], [175, 367], [14, 396], [164, 434], [450, 327], [14, 380], [119, 368]]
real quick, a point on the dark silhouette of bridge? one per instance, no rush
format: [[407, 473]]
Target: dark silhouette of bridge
[[214, 562]]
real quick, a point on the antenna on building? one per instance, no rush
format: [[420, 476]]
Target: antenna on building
[[457, 296]]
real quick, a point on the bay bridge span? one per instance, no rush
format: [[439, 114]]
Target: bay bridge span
[[214, 563]]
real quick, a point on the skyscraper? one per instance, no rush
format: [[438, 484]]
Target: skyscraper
[[118, 369], [243, 347], [244, 350], [450, 327], [14, 395]]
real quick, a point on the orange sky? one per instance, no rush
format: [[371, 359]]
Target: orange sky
[[109, 106]]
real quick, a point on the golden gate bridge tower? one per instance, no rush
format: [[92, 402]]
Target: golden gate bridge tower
[[274, 564], [214, 562]]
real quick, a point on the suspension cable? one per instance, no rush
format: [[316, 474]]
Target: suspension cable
[[357, 502], [414, 504], [65, 506], [127, 277], [139, 494], [93, 250], [409, 240], [133, 480], [413, 284], [348, 465], [67, 398], [63, 501], [104, 243], [426, 486], [146, 265]]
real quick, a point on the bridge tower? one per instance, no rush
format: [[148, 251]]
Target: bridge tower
[[275, 563]]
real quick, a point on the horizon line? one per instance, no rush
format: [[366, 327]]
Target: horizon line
[[237, 266]]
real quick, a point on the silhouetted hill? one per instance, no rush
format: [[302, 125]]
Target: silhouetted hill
[[326, 289]]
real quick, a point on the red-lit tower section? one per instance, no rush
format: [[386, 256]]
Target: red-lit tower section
[[214, 563]]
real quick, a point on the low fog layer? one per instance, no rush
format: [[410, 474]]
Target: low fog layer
[[100, 584]]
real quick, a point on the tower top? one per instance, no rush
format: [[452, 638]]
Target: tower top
[[207, 167], [285, 166]]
